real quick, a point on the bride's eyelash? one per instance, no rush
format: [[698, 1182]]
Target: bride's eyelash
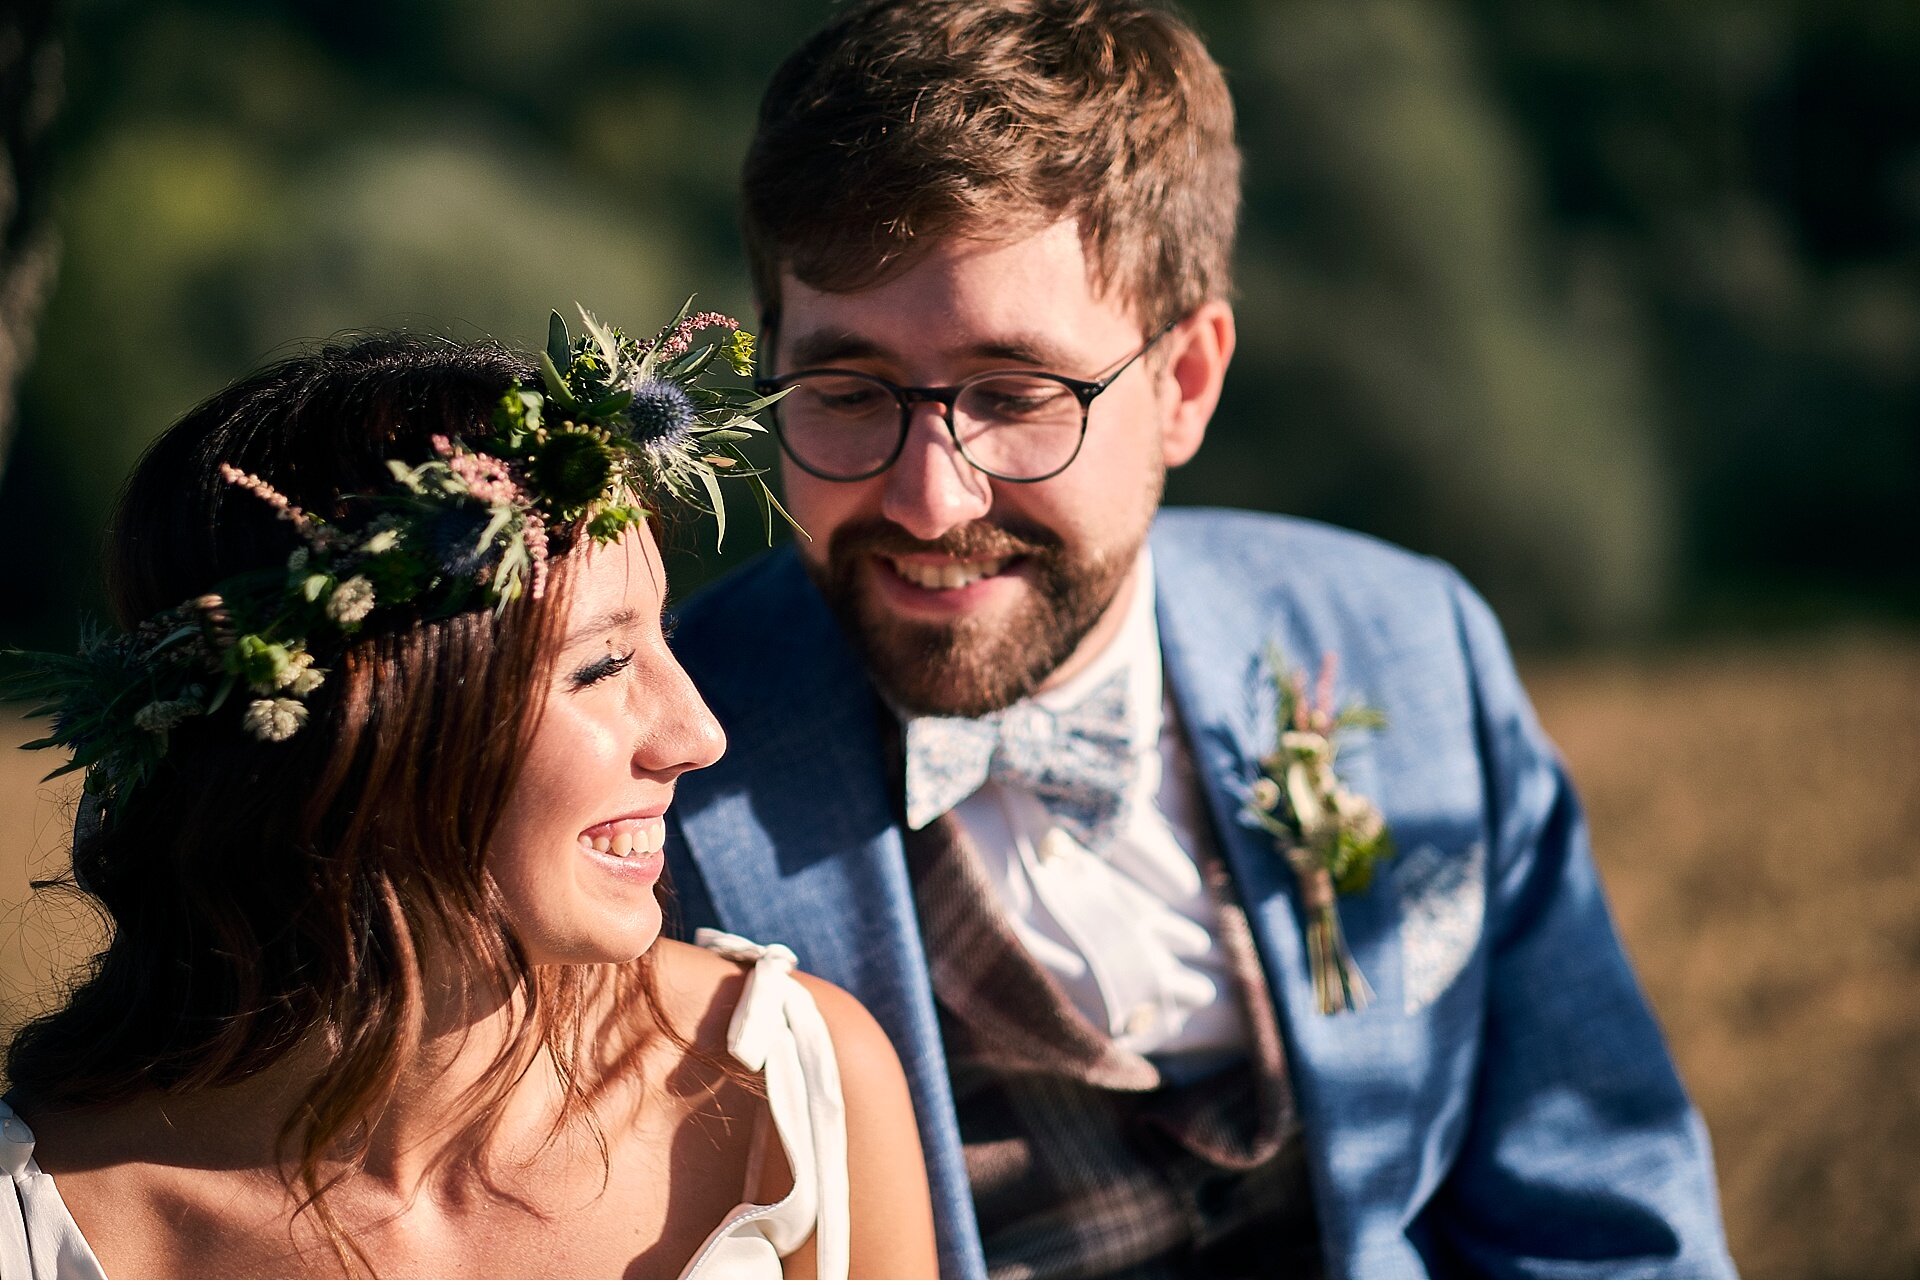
[[600, 670]]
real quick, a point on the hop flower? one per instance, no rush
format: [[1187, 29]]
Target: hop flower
[[306, 681], [573, 469], [274, 720], [267, 666], [350, 602], [1266, 794], [662, 415]]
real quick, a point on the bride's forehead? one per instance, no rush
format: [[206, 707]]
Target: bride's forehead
[[627, 571]]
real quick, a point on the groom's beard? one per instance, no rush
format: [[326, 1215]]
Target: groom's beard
[[978, 663]]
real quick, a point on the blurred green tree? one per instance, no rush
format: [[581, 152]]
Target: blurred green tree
[[1614, 306]]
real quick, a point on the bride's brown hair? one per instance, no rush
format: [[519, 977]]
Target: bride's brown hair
[[267, 897]]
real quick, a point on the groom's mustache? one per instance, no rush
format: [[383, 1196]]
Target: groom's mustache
[[976, 541]]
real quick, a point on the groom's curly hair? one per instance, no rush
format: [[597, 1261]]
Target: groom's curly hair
[[905, 122]]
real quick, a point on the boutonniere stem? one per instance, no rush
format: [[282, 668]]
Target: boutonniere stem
[[1331, 837]]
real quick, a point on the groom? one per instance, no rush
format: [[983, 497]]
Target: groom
[[994, 724]]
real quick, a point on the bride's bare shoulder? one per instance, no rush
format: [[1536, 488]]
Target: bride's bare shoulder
[[697, 990]]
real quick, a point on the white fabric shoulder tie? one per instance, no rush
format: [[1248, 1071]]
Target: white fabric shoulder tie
[[777, 1030]]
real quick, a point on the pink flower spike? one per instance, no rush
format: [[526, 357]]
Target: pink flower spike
[[536, 537], [1329, 671], [260, 487], [442, 445], [682, 337]]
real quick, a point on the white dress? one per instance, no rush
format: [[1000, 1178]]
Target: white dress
[[775, 1030]]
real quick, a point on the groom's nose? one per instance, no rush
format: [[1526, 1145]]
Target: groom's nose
[[931, 488]]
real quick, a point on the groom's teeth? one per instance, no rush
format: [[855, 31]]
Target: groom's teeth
[[948, 575]]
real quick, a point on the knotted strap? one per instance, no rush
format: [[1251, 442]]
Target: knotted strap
[[777, 1030]]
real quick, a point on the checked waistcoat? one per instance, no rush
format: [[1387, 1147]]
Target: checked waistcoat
[[1082, 1161]]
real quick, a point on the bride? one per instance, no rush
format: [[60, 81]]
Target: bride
[[377, 778]]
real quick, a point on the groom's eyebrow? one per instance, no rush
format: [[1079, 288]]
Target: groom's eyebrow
[[826, 347]]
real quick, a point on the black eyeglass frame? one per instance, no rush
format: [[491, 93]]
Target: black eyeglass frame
[[944, 395]]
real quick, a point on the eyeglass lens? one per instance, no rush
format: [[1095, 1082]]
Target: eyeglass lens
[[1014, 426]]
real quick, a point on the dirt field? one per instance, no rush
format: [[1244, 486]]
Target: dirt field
[[1754, 813]]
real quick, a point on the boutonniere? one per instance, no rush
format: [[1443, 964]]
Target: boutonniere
[[1331, 837]]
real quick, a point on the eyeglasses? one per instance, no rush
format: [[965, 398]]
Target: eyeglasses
[[1014, 425]]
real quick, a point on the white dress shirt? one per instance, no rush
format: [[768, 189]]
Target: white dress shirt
[[1129, 937]]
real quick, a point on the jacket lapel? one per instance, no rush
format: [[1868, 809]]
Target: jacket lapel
[[1350, 1073]]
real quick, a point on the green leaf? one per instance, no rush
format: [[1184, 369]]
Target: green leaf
[[559, 344], [494, 527], [690, 365], [602, 338], [313, 586], [557, 383], [610, 405], [725, 435], [712, 483]]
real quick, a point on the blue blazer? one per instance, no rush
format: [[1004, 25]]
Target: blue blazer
[[1506, 1107]]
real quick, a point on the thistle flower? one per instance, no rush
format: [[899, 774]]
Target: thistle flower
[[662, 415], [351, 601], [274, 720]]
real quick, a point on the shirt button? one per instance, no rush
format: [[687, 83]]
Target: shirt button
[[1142, 1019]]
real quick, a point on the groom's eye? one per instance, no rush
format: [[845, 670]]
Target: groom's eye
[[600, 670]]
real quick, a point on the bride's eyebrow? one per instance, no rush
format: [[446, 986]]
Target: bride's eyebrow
[[618, 618]]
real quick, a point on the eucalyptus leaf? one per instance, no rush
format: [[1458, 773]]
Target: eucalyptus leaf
[[559, 344]]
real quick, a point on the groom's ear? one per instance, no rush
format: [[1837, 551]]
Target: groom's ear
[[1198, 350]]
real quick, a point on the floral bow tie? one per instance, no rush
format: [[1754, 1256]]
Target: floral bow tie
[[1079, 762]]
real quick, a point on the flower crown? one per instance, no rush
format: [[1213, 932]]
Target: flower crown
[[614, 419]]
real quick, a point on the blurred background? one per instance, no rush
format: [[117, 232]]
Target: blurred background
[[1614, 305]]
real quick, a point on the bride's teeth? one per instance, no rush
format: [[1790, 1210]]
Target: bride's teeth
[[602, 844], [623, 844]]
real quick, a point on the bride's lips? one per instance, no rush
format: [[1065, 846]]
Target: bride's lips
[[631, 847]]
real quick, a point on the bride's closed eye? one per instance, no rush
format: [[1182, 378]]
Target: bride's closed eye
[[599, 670]]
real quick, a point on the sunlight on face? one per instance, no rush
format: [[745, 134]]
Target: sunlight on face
[[579, 849]]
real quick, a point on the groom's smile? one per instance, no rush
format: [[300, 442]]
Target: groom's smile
[[965, 591]]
